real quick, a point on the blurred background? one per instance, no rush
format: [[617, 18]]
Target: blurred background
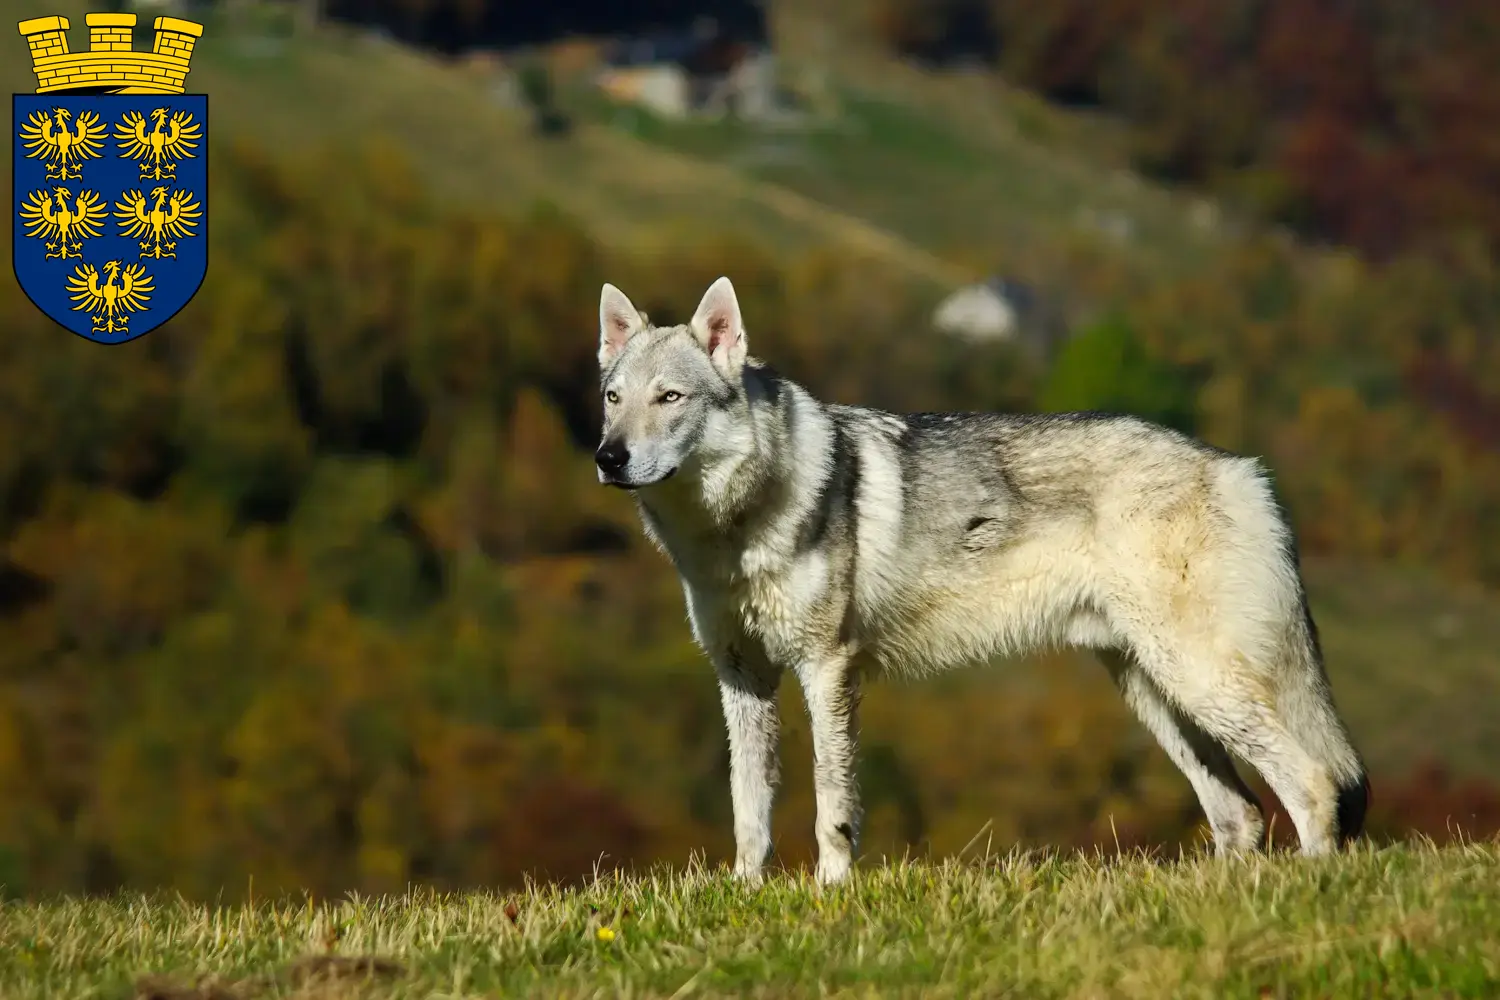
[[314, 589]]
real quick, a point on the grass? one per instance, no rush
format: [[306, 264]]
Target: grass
[[932, 179], [1407, 920]]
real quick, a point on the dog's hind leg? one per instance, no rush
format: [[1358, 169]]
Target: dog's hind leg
[[1237, 706], [1222, 618], [1248, 675], [1234, 815]]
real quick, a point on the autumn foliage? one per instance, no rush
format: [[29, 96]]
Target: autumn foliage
[[313, 588], [1368, 124]]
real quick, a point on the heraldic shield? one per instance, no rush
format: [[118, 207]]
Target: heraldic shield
[[110, 178]]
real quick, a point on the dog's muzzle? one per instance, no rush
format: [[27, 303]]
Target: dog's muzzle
[[612, 458]]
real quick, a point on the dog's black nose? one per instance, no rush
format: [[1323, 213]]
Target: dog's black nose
[[612, 456]]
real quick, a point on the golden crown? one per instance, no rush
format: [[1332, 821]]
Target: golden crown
[[111, 65]]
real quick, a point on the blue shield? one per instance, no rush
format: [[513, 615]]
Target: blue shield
[[109, 208]]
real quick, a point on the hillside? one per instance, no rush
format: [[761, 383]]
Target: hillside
[[920, 173], [953, 161], [317, 582], [925, 176], [295, 95], [1410, 921]]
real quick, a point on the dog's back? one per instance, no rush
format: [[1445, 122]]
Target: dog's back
[[984, 534]]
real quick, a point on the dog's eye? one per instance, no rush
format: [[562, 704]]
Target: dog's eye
[[612, 396], [671, 396]]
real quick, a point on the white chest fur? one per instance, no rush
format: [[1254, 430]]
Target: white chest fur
[[777, 596]]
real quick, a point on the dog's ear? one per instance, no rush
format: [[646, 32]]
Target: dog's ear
[[720, 328], [619, 320]]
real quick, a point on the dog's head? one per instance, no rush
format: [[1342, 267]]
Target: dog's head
[[669, 392]]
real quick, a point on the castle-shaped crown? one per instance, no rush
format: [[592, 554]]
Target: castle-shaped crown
[[111, 65]]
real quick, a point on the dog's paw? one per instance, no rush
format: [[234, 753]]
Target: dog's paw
[[833, 869], [751, 875]]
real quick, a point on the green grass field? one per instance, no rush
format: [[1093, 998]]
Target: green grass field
[[1402, 921]]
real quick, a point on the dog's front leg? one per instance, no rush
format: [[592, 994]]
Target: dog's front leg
[[747, 687], [831, 690]]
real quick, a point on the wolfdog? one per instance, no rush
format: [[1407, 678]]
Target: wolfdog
[[832, 540]]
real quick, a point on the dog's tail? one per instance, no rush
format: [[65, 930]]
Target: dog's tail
[[1307, 708]]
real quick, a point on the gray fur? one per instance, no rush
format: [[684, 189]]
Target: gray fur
[[830, 541]]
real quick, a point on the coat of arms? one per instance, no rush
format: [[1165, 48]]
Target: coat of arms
[[110, 183]]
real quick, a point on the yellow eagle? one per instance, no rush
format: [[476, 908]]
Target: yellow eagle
[[63, 149], [169, 139], [64, 227], [168, 217], [108, 303]]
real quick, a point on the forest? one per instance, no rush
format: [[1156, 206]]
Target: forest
[[313, 588], [1362, 123]]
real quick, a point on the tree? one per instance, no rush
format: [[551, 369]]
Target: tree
[[1106, 367]]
